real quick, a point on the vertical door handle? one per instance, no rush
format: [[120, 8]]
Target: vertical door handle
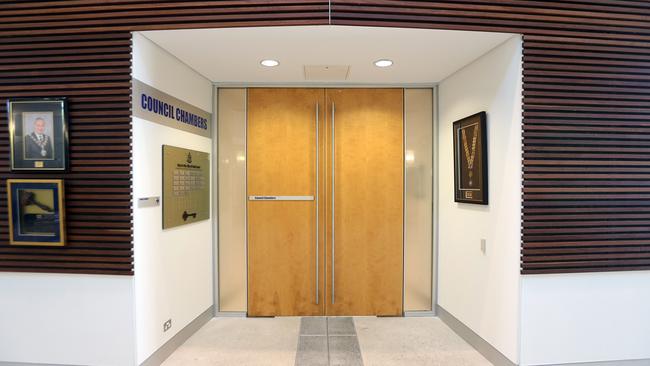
[[317, 197], [333, 187]]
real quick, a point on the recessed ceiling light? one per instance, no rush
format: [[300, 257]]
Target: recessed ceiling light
[[269, 63], [383, 63]]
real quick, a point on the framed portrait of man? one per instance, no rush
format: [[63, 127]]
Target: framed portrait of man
[[39, 133], [36, 212], [470, 159]]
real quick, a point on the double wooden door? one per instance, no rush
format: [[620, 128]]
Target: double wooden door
[[325, 208]]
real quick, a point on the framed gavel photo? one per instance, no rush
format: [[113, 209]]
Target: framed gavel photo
[[36, 212]]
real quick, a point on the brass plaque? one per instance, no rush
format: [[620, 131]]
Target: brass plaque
[[186, 186]]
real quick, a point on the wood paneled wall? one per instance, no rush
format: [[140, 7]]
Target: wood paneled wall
[[94, 71], [81, 49], [586, 198], [586, 195]]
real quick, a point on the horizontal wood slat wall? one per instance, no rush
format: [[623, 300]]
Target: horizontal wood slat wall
[[586, 158], [94, 71], [81, 49], [586, 129], [94, 16]]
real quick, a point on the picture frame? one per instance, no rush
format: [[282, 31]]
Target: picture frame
[[471, 159], [36, 212], [38, 134]]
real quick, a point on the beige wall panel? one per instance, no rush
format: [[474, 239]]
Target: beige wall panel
[[232, 199], [418, 204]]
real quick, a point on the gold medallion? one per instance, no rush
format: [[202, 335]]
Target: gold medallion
[[470, 156]]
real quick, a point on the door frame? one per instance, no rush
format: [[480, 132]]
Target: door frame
[[215, 183]]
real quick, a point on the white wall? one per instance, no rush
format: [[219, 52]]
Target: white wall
[[482, 291], [173, 268], [90, 320], [585, 317], [66, 319]]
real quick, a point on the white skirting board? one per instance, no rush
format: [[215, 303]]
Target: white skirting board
[[498, 359], [176, 341], [481, 345]]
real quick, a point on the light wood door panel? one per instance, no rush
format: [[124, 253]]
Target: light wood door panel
[[281, 161], [368, 203], [368, 212]]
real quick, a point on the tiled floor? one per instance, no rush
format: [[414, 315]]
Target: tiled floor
[[328, 341], [321, 341]]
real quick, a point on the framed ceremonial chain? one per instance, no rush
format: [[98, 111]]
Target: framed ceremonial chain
[[470, 160], [36, 212], [38, 134]]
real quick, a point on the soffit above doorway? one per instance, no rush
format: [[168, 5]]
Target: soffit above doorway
[[327, 72], [232, 55]]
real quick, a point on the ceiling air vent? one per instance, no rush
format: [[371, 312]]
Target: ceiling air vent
[[327, 72]]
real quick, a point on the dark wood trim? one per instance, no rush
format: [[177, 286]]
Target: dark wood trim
[[586, 130]]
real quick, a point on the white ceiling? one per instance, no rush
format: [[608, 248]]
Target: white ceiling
[[232, 55]]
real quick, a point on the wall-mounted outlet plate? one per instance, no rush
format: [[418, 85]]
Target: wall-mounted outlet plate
[[483, 246], [167, 325]]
